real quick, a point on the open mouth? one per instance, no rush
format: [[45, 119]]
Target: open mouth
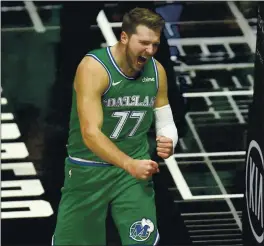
[[141, 60]]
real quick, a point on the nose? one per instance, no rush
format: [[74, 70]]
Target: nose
[[150, 50]]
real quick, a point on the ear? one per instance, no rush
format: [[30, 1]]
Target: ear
[[123, 37]]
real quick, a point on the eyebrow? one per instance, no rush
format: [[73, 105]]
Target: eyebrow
[[146, 41]]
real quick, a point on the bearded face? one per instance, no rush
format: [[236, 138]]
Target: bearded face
[[141, 46]]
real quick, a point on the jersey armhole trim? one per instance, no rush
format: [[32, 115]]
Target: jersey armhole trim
[[108, 72], [156, 73]]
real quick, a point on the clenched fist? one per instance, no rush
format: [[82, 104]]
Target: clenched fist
[[142, 169], [164, 147]]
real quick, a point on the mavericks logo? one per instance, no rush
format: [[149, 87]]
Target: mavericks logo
[[254, 190], [141, 230]]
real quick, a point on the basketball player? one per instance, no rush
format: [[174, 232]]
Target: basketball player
[[117, 91]]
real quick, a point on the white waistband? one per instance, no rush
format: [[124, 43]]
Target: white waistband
[[87, 161]]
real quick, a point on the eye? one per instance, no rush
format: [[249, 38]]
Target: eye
[[144, 42]]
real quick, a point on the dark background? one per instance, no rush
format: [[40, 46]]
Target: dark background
[[37, 75], [256, 129]]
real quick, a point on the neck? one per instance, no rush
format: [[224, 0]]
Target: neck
[[119, 53]]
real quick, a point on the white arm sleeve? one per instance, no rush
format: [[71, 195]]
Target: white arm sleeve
[[165, 125]]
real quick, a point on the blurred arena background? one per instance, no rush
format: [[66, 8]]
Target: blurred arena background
[[212, 47]]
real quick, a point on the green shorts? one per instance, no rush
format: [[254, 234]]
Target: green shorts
[[89, 189]]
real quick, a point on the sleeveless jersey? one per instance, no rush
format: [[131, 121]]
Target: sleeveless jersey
[[127, 110]]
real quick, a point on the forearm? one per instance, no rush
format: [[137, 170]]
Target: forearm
[[165, 125], [104, 148]]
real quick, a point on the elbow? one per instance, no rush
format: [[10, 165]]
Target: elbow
[[89, 135]]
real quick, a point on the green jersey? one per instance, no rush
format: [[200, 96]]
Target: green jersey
[[127, 110]]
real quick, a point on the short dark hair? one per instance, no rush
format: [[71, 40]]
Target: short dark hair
[[142, 16]]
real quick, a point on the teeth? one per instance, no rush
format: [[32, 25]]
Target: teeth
[[142, 60]]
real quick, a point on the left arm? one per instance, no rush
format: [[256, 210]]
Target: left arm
[[166, 131]]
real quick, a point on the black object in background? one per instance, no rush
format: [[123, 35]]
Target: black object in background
[[253, 214]]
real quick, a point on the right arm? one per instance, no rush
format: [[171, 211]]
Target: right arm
[[91, 81]]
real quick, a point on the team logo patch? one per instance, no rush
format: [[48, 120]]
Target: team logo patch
[[141, 230]]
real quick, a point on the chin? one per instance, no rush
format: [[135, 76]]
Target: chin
[[135, 68], [138, 69]]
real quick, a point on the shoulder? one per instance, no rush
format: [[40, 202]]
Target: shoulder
[[162, 98], [90, 73], [159, 65], [91, 64], [161, 72]]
